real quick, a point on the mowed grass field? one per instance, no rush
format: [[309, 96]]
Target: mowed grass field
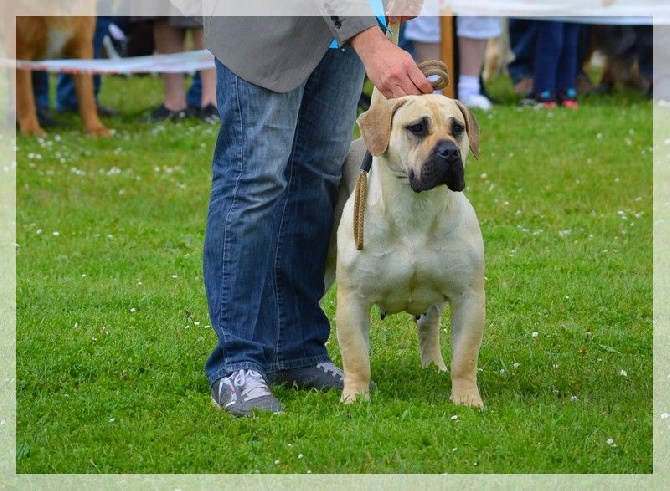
[[112, 331]]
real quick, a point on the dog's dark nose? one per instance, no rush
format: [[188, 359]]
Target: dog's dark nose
[[447, 150]]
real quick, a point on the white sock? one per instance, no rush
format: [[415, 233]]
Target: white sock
[[468, 85]]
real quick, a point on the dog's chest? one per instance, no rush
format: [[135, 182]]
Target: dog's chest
[[57, 36], [414, 274]]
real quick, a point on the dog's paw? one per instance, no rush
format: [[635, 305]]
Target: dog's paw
[[467, 398], [349, 396], [439, 363], [32, 130], [99, 131]]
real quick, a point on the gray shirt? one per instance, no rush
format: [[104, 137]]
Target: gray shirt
[[278, 53]]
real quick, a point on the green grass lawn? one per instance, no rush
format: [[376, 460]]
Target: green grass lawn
[[112, 331]]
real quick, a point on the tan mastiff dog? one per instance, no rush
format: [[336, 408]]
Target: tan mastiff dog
[[422, 244]]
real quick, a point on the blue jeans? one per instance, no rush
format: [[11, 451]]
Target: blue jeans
[[556, 56], [275, 172], [522, 38], [41, 88], [194, 93]]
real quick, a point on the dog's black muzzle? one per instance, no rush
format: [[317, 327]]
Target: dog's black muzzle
[[444, 166]]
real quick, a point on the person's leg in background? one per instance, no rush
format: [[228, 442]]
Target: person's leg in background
[[567, 69], [170, 39], [40, 82], [194, 93], [41, 88], [46, 119], [523, 40], [547, 54], [201, 96], [424, 33], [473, 34]]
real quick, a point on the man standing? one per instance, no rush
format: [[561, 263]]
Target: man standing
[[287, 103]]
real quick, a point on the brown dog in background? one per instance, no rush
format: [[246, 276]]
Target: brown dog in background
[[40, 38]]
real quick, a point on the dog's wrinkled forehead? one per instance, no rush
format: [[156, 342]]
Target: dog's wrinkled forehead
[[440, 112]]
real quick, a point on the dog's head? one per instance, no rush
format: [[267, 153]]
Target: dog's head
[[423, 138]]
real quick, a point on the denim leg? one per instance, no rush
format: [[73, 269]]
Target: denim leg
[[194, 93], [276, 167], [251, 154], [547, 54], [566, 72], [523, 37], [41, 88], [322, 139]]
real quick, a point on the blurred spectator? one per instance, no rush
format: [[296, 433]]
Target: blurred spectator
[[473, 34], [522, 40], [140, 32], [170, 37], [556, 64], [43, 101]]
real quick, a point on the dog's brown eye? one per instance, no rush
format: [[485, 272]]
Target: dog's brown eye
[[457, 129], [419, 129]]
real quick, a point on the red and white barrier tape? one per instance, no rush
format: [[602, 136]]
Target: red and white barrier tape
[[186, 61]]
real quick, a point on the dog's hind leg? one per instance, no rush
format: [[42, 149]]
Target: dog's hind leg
[[467, 325], [428, 328], [25, 104]]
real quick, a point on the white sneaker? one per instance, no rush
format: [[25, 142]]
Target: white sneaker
[[477, 101], [242, 392]]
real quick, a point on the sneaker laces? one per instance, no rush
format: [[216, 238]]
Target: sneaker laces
[[329, 367], [252, 384]]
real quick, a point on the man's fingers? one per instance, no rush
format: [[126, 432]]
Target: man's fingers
[[412, 83], [419, 80], [398, 91]]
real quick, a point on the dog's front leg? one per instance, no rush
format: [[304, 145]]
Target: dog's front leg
[[353, 336], [467, 323], [428, 327]]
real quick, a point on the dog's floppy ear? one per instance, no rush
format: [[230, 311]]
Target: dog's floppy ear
[[375, 123], [472, 128]]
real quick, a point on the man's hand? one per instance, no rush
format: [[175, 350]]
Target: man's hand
[[390, 68]]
